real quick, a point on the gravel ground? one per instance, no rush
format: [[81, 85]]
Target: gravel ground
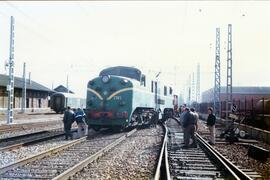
[[50, 166], [238, 154], [27, 131], [135, 158], [31, 117], [41, 119], [18, 114], [8, 157]]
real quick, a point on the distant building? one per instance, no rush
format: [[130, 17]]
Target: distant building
[[239, 94], [63, 89], [37, 95]]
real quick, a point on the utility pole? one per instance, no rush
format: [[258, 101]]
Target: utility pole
[[198, 83], [189, 89], [67, 85], [217, 76], [229, 72], [193, 98], [175, 77], [29, 78], [24, 88], [10, 86], [189, 98]]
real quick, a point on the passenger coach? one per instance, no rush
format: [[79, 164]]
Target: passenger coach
[[60, 101]]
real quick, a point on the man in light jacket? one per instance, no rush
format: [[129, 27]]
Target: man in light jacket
[[80, 120]]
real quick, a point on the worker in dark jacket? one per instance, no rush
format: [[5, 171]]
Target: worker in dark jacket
[[196, 116], [211, 121], [189, 128], [68, 121], [80, 120]]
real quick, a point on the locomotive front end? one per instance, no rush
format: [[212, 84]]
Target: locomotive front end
[[109, 102]]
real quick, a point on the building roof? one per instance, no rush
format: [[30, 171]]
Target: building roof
[[67, 95], [245, 90], [18, 83], [63, 89]]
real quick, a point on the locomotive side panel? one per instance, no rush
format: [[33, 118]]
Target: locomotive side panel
[[145, 99]]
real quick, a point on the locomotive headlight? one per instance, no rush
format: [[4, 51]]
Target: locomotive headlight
[[105, 79], [124, 81]]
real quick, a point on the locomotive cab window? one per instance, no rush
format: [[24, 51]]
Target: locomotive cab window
[[171, 91], [143, 81], [165, 90]]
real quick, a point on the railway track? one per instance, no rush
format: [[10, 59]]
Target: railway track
[[29, 139], [65, 160], [226, 148], [24, 126], [203, 162], [134, 158]]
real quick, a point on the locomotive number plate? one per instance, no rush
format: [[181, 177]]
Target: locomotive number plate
[[117, 97]]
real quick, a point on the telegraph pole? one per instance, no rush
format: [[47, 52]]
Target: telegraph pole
[[193, 98], [198, 83], [229, 72], [67, 85], [29, 78], [217, 76], [10, 86], [175, 77], [24, 88], [189, 90]]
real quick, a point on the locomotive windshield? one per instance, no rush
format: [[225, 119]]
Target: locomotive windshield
[[128, 72]]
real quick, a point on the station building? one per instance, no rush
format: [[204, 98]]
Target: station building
[[62, 89], [37, 95]]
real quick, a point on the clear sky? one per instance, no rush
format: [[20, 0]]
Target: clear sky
[[81, 38]]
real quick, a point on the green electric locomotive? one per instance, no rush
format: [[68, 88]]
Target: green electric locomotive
[[122, 97]]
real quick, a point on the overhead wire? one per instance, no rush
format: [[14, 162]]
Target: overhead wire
[[38, 34]]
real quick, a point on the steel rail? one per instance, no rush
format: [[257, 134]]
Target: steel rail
[[238, 172], [234, 171], [157, 174], [231, 168], [40, 155], [78, 167], [209, 149], [34, 141], [22, 126], [22, 136], [167, 166]]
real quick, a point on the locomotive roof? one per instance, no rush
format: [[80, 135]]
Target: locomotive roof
[[130, 72]]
